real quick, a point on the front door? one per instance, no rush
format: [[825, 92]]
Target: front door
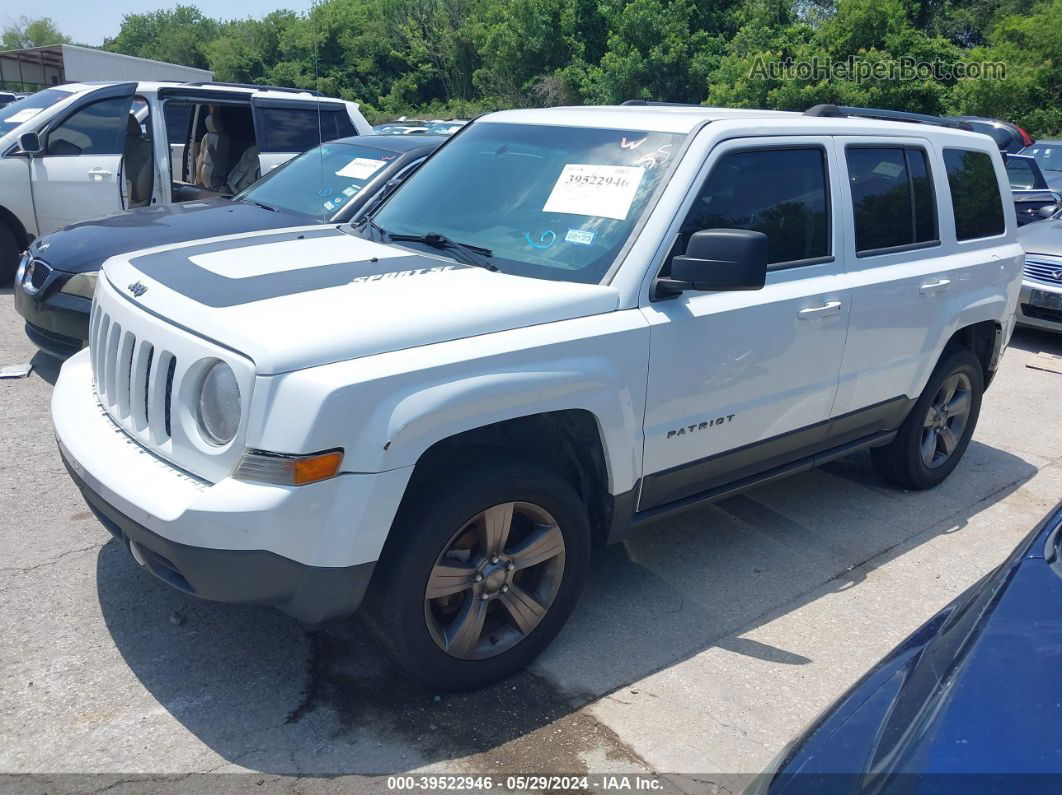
[[78, 175], [744, 382]]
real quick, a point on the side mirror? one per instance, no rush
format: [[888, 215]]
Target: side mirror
[[30, 143], [1047, 210], [718, 259]]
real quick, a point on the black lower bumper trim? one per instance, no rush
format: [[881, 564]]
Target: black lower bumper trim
[[58, 345], [255, 576]]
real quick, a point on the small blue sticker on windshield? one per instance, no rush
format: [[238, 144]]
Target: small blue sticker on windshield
[[579, 237], [545, 240]]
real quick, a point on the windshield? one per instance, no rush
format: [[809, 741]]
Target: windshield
[[321, 180], [21, 111], [549, 202], [1048, 154]]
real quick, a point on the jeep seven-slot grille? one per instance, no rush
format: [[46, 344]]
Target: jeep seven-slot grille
[[134, 380], [1043, 271]]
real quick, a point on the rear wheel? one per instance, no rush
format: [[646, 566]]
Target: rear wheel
[[481, 573], [933, 438], [9, 251]]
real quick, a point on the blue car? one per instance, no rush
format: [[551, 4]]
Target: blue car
[[976, 690]]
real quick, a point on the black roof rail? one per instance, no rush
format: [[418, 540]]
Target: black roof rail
[[660, 104], [847, 111], [256, 87]]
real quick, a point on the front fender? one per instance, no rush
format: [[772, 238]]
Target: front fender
[[386, 410]]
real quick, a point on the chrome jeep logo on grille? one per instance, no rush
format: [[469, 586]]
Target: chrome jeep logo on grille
[[137, 289]]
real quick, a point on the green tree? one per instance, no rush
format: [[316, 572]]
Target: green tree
[[26, 32], [178, 36], [1030, 45]]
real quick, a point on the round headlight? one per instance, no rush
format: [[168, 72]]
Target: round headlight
[[219, 405]]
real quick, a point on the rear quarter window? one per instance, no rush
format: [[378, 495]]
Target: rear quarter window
[[974, 194], [299, 129]]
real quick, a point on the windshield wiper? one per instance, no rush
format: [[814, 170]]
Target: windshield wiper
[[366, 221], [473, 255], [260, 204]]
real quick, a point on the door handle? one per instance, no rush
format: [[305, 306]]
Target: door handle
[[931, 287], [99, 172], [813, 312]]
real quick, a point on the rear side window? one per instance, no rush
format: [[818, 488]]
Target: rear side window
[[892, 197], [974, 194], [780, 192], [299, 129], [97, 129]]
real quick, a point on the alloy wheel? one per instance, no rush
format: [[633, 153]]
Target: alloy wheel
[[946, 420], [494, 581]]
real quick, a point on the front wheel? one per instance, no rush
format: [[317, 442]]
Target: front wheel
[[933, 438], [480, 574]]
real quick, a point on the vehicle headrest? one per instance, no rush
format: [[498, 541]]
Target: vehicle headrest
[[213, 124]]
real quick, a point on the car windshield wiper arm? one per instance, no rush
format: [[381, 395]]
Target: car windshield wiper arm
[[474, 255], [263, 205], [367, 222]]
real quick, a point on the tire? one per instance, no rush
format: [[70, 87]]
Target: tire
[[428, 543], [931, 441], [9, 251]]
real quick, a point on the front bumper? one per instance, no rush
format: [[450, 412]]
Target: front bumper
[[1038, 317], [308, 550], [56, 322], [308, 593]]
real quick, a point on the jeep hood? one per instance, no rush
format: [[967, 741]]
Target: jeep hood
[[312, 296]]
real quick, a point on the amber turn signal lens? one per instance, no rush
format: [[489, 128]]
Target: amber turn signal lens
[[317, 467], [288, 470]]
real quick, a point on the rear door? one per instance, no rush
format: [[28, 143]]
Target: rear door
[[287, 127], [910, 279], [78, 175], [1028, 187]]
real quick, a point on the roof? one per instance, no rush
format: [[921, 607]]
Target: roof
[[55, 55], [685, 118]]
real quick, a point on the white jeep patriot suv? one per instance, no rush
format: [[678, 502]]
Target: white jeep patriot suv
[[568, 323]]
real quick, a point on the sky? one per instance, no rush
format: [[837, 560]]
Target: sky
[[88, 22]]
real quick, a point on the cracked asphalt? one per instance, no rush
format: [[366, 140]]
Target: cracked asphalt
[[699, 649]]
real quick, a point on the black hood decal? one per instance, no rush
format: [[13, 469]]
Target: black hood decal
[[175, 270]]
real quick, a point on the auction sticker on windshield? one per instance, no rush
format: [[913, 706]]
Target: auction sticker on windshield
[[603, 191], [23, 115], [361, 168]]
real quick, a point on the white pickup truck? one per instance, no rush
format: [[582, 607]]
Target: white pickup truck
[[567, 324], [82, 150]]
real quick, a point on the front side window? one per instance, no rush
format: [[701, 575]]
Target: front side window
[[974, 194], [321, 181], [780, 192], [892, 197], [549, 202], [299, 129], [96, 129]]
